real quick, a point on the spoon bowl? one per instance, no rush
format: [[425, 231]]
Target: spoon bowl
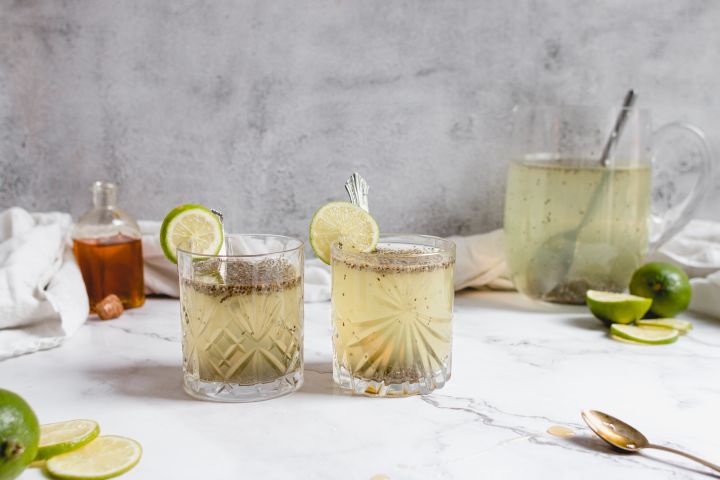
[[614, 431], [627, 438]]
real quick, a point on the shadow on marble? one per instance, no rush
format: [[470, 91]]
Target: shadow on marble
[[586, 322], [318, 380], [651, 455], [595, 444], [144, 380]]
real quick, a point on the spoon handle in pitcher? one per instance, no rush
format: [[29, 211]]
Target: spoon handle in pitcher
[[685, 454]]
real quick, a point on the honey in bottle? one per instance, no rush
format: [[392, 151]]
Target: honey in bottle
[[108, 248]]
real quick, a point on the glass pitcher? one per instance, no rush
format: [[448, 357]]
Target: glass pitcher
[[574, 223]]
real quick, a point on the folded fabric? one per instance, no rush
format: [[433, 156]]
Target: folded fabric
[[161, 274], [42, 294], [696, 249], [480, 262]]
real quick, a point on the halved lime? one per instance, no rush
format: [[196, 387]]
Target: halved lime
[[646, 335], [193, 223], [682, 326], [612, 307], [62, 437], [345, 222], [105, 457]]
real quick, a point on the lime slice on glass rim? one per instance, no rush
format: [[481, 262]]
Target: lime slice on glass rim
[[612, 307], [104, 457], [193, 223], [62, 437], [682, 326], [346, 222], [645, 335]]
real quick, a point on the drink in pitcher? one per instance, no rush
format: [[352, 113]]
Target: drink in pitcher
[[573, 225], [581, 211]]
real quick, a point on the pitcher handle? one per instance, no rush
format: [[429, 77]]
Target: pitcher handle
[[668, 219]]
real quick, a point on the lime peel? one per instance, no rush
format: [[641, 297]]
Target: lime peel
[[644, 335], [194, 223], [612, 307], [345, 222], [105, 457], [683, 326], [62, 437]]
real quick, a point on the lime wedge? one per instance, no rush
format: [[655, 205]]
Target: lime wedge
[[104, 457], [61, 437], [194, 223], [345, 222], [625, 340], [646, 335], [682, 326], [612, 307]]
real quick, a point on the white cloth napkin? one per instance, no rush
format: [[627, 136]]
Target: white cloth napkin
[[161, 273], [480, 262], [696, 249], [42, 294]]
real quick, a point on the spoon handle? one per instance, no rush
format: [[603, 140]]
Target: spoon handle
[[685, 454]]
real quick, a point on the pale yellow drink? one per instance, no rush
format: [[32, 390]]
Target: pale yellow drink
[[574, 225], [238, 329], [392, 319]]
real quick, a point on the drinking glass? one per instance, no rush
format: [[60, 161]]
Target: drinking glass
[[574, 223], [242, 318], [392, 315]]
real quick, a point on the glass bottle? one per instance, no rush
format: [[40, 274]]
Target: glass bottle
[[108, 248]]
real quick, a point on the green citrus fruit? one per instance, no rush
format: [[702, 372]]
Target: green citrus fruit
[[105, 457], [191, 223], [62, 437], [345, 222], [682, 326], [666, 284], [646, 335], [19, 435], [612, 307]]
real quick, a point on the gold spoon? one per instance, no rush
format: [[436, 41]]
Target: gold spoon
[[621, 435]]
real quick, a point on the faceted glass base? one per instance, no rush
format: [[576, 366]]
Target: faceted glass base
[[232, 392], [373, 388]]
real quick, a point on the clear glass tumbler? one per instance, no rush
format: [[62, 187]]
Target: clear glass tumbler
[[242, 318], [392, 315]]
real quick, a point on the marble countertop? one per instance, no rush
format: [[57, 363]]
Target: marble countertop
[[518, 369]]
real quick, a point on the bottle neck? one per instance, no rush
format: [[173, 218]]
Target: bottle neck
[[104, 195]]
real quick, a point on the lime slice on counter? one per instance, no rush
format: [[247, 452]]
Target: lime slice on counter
[[345, 222], [194, 223], [612, 307], [682, 326], [62, 437], [625, 340], [646, 335], [105, 457]]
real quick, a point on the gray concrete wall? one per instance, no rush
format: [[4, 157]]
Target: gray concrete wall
[[263, 108]]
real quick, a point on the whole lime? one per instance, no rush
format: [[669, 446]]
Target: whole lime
[[19, 435], [666, 284]]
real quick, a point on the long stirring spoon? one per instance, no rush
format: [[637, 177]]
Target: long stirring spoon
[[551, 262], [621, 435]]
